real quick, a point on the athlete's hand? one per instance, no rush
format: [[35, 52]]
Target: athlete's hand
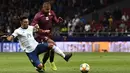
[[9, 38], [60, 19], [36, 26]]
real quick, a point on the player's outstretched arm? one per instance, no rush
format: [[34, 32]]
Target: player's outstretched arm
[[57, 20], [11, 37]]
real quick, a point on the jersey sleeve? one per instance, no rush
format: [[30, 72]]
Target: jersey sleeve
[[35, 20], [15, 33], [56, 20]]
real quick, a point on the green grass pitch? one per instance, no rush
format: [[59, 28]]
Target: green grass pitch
[[99, 63]]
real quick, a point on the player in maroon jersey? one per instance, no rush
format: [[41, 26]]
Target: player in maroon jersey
[[44, 19]]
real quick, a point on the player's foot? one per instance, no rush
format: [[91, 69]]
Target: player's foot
[[39, 70], [68, 56], [44, 67], [53, 66]]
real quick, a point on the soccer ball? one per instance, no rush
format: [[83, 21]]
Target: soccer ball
[[84, 68]]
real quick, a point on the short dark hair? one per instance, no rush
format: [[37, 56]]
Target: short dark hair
[[46, 3], [23, 17]]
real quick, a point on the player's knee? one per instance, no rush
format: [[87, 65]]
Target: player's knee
[[51, 41], [40, 66], [54, 43], [50, 45]]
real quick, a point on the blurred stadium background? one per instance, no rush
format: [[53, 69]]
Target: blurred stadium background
[[89, 27]]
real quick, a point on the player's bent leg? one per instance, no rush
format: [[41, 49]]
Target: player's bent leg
[[33, 57], [52, 55], [59, 52], [45, 58], [45, 47], [51, 51], [52, 63]]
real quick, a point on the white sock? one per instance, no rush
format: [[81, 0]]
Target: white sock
[[58, 51]]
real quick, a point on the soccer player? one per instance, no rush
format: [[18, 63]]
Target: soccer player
[[30, 46], [44, 19]]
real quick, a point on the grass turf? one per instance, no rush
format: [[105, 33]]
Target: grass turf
[[99, 63]]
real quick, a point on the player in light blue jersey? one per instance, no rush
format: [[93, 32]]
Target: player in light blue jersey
[[31, 47]]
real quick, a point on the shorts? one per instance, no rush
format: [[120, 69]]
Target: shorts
[[41, 38], [34, 56]]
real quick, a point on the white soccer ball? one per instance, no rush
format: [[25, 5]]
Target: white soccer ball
[[84, 68]]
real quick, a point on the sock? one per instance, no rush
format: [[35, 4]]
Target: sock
[[45, 58], [58, 51], [52, 55]]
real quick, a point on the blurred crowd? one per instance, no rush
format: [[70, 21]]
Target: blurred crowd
[[70, 10], [114, 22], [11, 10]]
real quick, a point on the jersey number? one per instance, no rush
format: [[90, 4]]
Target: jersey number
[[29, 35]]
